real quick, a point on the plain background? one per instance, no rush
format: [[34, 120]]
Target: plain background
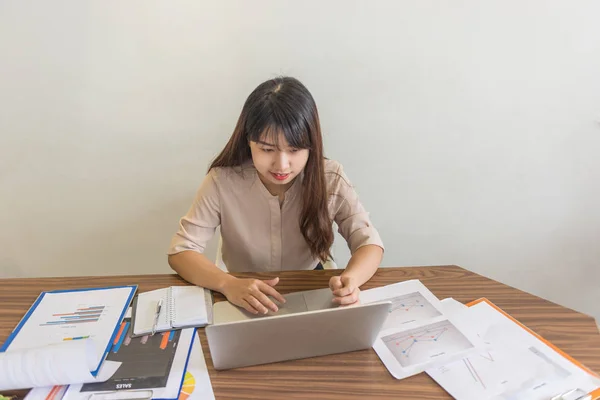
[[471, 129]]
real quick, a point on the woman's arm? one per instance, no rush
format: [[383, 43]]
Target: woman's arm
[[197, 269], [363, 264], [362, 238], [251, 294], [360, 269], [186, 256]]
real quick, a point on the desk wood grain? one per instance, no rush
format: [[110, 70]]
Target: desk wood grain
[[358, 374]]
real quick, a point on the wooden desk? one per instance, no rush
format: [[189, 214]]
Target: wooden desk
[[352, 375]]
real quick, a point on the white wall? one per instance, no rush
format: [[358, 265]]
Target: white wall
[[470, 128]]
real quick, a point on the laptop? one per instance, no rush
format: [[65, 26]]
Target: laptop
[[307, 325]]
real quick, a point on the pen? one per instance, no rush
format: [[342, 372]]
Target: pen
[[158, 307]]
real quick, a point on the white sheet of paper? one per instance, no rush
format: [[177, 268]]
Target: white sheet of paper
[[543, 389], [411, 301], [145, 312], [418, 333], [406, 352], [60, 316], [451, 306], [58, 364], [196, 384], [190, 307], [517, 367]]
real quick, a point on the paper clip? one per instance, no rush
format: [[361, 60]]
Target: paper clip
[[573, 394]]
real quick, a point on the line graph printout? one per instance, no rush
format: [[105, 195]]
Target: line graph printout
[[410, 307], [411, 302], [419, 331], [425, 344]]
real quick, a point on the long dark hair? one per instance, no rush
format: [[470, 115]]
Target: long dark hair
[[285, 105]]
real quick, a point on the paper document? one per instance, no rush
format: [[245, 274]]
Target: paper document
[[518, 365], [418, 333], [57, 364], [153, 364], [451, 306], [196, 383], [63, 338]]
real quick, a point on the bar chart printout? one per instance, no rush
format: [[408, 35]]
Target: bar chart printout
[[80, 315], [64, 317], [146, 360]]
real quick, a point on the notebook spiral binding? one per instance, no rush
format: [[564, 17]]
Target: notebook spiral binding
[[171, 310]]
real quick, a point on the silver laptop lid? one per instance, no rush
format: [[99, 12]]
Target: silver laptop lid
[[295, 335]]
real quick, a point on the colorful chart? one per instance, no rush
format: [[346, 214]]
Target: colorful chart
[[409, 308], [80, 315], [189, 384], [426, 343], [76, 338]]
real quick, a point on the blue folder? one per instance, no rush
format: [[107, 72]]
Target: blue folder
[[15, 332]]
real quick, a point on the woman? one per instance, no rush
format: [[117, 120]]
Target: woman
[[275, 197]]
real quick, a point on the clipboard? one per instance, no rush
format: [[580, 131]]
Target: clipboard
[[595, 394], [121, 311]]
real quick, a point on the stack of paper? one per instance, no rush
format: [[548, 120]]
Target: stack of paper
[[419, 333], [79, 344], [474, 353], [518, 364], [191, 385]]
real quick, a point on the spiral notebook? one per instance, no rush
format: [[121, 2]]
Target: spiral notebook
[[182, 307]]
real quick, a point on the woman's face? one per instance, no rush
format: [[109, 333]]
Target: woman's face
[[277, 166]]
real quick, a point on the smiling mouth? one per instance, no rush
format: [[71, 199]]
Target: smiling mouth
[[280, 177]]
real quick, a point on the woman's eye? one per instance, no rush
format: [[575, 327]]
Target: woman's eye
[[267, 150], [294, 150]]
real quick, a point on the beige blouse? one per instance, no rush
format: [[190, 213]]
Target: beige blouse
[[260, 235]]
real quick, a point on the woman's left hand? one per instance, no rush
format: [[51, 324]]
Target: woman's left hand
[[345, 290]]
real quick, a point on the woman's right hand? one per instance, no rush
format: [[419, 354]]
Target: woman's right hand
[[251, 294]]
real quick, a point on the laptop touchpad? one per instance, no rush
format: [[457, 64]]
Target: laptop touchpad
[[319, 299]]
